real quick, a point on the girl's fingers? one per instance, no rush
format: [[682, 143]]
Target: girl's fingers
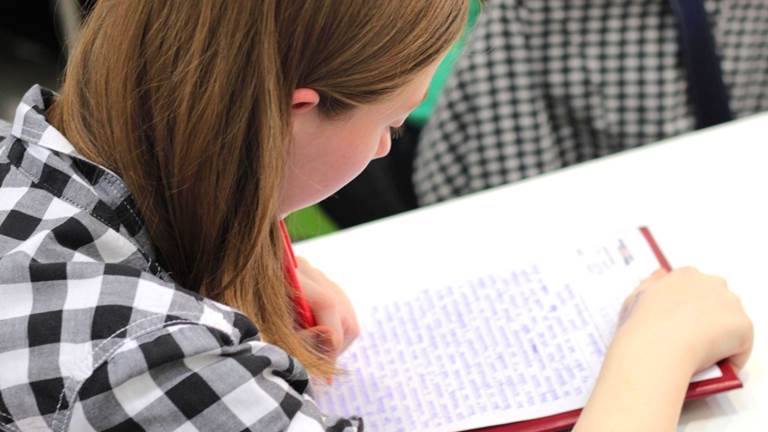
[[330, 319], [330, 306], [658, 274], [655, 276], [320, 335]]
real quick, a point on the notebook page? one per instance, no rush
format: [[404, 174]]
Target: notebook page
[[508, 345], [621, 263]]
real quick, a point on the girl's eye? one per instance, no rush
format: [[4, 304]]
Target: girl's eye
[[396, 132]]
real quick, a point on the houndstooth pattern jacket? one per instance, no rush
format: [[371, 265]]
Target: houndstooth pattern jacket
[[545, 84]]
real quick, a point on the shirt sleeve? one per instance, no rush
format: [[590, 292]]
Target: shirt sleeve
[[186, 378]]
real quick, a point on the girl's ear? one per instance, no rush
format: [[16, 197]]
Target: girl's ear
[[303, 100]]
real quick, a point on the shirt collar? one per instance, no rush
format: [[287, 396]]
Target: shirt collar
[[30, 124], [95, 187]]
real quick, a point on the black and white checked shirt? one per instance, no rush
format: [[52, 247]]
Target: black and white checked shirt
[[548, 83], [94, 335]]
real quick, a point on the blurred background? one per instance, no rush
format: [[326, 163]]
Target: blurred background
[[34, 35]]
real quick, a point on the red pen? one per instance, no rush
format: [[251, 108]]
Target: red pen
[[303, 311]]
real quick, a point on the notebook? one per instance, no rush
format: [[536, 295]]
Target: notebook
[[515, 347]]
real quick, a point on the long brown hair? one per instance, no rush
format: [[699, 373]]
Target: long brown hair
[[189, 101]]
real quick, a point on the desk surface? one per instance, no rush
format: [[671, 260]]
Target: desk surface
[[703, 195]]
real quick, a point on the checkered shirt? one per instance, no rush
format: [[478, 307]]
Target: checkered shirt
[[94, 335], [548, 83]]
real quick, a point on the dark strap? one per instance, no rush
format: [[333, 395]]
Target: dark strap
[[706, 89]]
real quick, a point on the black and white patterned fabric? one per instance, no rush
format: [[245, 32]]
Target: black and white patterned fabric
[[94, 335], [548, 83]]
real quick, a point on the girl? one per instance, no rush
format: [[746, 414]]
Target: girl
[[144, 279]]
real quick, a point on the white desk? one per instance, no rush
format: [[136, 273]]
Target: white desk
[[704, 196]]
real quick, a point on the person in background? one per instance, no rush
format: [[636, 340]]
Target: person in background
[[147, 282], [544, 84]]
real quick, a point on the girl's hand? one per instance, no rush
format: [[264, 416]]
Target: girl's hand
[[688, 313], [337, 323], [672, 326]]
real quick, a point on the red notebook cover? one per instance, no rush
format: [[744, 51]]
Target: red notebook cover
[[566, 420]]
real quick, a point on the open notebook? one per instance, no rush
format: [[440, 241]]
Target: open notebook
[[512, 349]]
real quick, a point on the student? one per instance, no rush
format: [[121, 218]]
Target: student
[[142, 266]]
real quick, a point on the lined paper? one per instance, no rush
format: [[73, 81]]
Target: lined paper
[[514, 344]]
